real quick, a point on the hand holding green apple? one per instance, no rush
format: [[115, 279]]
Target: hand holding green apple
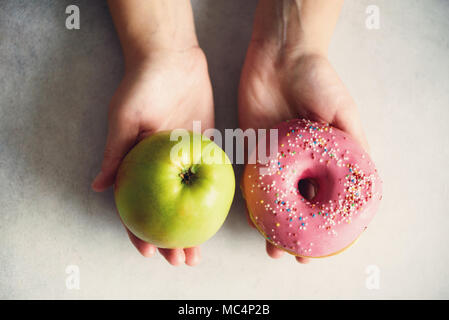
[[140, 108], [173, 194]]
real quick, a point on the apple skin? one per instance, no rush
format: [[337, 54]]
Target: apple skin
[[160, 207]]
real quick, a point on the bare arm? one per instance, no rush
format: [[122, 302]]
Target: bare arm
[[161, 51], [287, 73], [300, 25], [146, 26]]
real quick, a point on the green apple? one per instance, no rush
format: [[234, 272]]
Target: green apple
[[174, 194]]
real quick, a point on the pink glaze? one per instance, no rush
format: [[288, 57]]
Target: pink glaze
[[348, 190]]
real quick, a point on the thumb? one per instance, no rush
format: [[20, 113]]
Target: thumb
[[122, 135], [349, 121]]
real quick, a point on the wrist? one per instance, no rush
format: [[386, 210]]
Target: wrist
[[295, 27], [287, 51], [163, 58], [138, 54], [145, 27]]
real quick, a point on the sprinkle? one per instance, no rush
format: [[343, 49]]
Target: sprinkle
[[310, 139]]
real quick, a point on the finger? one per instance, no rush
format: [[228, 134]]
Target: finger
[[173, 256], [250, 222], [248, 218], [122, 135], [145, 248], [273, 252], [348, 120], [302, 260], [193, 256]]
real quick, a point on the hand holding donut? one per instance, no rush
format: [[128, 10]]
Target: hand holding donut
[[290, 78], [347, 190]]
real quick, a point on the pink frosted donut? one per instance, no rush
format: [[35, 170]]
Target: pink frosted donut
[[348, 190]]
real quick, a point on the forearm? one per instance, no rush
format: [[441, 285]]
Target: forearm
[[145, 26], [299, 25]]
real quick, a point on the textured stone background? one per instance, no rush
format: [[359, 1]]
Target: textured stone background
[[55, 85]]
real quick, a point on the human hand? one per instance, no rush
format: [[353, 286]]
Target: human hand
[[285, 80], [167, 90], [166, 86]]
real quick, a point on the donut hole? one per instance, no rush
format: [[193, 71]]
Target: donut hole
[[308, 188], [317, 183]]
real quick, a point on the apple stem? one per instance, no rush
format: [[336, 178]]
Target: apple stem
[[187, 176]]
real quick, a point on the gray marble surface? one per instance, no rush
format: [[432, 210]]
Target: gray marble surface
[[55, 85]]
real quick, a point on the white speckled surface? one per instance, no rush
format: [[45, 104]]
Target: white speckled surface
[[55, 85]]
